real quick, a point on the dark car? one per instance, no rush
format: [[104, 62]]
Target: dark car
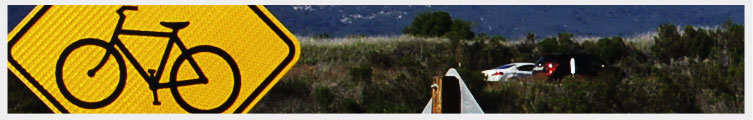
[[556, 66]]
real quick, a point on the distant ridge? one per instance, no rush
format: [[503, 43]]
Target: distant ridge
[[509, 21]]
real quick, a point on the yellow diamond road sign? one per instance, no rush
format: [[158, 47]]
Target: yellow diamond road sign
[[151, 59]]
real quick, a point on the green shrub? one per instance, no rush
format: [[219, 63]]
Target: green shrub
[[563, 43], [351, 106], [21, 99], [501, 97], [292, 87], [386, 99], [591, 47], [611, 49], [670, 44], [667, 43], [324, 98], [380, 59], [676, 92], [485, 53], [430, 24], [440, 24], [699, 40], [474, 79], [526, 48], [731, 37], [460, 30], [361, 73]]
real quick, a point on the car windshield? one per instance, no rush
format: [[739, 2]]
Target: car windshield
[[525, 68], [504, 66]]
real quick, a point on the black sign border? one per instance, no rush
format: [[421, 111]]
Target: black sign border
[[257, 92]]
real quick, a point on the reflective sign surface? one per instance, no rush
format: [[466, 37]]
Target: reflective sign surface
[[151, 59]]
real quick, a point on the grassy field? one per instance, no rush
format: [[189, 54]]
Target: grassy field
[[359, 74], [393, 75]]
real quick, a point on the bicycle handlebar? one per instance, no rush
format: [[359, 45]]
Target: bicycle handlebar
[[129, 8], [124, 8]]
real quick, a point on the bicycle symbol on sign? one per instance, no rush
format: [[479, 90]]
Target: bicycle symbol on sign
[[151, 76]]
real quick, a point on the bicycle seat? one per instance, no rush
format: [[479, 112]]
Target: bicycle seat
[[174, 25]]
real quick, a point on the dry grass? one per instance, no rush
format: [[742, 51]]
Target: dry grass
[[330, 78]]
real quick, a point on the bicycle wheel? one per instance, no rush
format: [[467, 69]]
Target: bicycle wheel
[[216, 51], [76, 100]]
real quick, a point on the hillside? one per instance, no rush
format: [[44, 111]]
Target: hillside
[[511, 21]]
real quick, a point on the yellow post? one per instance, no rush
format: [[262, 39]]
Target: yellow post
[[436, 95]]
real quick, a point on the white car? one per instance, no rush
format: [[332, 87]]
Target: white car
[[508, 71]]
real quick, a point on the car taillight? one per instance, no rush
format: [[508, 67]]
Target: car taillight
[[550, 68], [498, 73]]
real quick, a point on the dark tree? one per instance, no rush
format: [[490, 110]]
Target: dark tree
[[430, 24], [611, 49], [665, 43]]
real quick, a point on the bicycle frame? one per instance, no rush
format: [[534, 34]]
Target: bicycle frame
[[151, 78]]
